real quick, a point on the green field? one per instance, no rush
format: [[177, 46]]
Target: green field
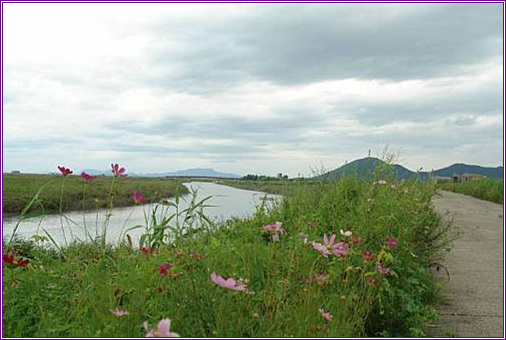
[[486, 189], [18, 190], [376, 282]]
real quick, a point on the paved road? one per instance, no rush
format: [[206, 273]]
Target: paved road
[[475, 290]]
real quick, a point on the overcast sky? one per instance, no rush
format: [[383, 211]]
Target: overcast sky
[[250, 88]]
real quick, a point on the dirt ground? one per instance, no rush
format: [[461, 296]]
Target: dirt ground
[[474, 294]]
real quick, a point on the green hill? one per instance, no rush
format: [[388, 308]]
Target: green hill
[[365, 168], [461, 168]]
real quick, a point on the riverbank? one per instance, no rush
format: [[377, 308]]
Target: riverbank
[[77, 194], [285, 279], [271, 187]]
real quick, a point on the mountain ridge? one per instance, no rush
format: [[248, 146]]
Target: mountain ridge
[[194, 172], [365, 167]]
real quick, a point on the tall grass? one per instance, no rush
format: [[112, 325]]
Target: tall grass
[[486, 189], [290, 285]]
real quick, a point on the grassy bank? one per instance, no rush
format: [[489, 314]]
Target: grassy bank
[[18, 190], [271, 187], [486, 189], [374, 282]]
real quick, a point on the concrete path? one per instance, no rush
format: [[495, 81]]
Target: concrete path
[[474, 293]]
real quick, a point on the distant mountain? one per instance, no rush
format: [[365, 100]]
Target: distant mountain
[[364, 168], [95, 172], [181, 173], [460, 169], [200, 173]]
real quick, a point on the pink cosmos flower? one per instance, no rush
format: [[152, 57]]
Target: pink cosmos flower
[[65, 171], [322, 249], [275, 230], [326, 315], [118, 171], [163, 330], [383, 270], [319, 278], [88, 177], [164, 268], [367, 255], [392, 243], [341, 249], [329, 242], [356, 239], [119, 313], [229, 283], [138, 198]]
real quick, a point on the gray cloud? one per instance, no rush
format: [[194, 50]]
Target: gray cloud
[[262, 89], [295, 44], [486, 100]]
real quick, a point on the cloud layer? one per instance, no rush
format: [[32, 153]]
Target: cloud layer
[[263, 88]]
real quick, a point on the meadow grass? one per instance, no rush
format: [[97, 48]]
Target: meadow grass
[[19, 189], [486, 189], [375, 282]]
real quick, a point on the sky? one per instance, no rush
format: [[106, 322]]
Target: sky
[[250, 88]]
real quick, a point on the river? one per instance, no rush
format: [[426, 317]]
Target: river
[[226, 202]]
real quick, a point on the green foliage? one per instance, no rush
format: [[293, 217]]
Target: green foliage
[[486, 189], [74, 296]]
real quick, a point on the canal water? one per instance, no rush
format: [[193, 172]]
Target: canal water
[[225, 203]]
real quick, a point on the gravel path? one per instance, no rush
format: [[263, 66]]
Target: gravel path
[[474, 294]]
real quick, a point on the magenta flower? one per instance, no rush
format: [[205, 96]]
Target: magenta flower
[[163, 269], [392, 243], [356, 239], [138, 198], [326, 315], [147, 251], [275, 230], [367, 255], [65, 171], [383, 270], [229, 283], [119, 313], [341, 249], [88, 177], [163, 330], [322, 249], [21, 262], [118, 171]]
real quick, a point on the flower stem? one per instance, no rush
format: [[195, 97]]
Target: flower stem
[[108, 214], [61, 210]]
